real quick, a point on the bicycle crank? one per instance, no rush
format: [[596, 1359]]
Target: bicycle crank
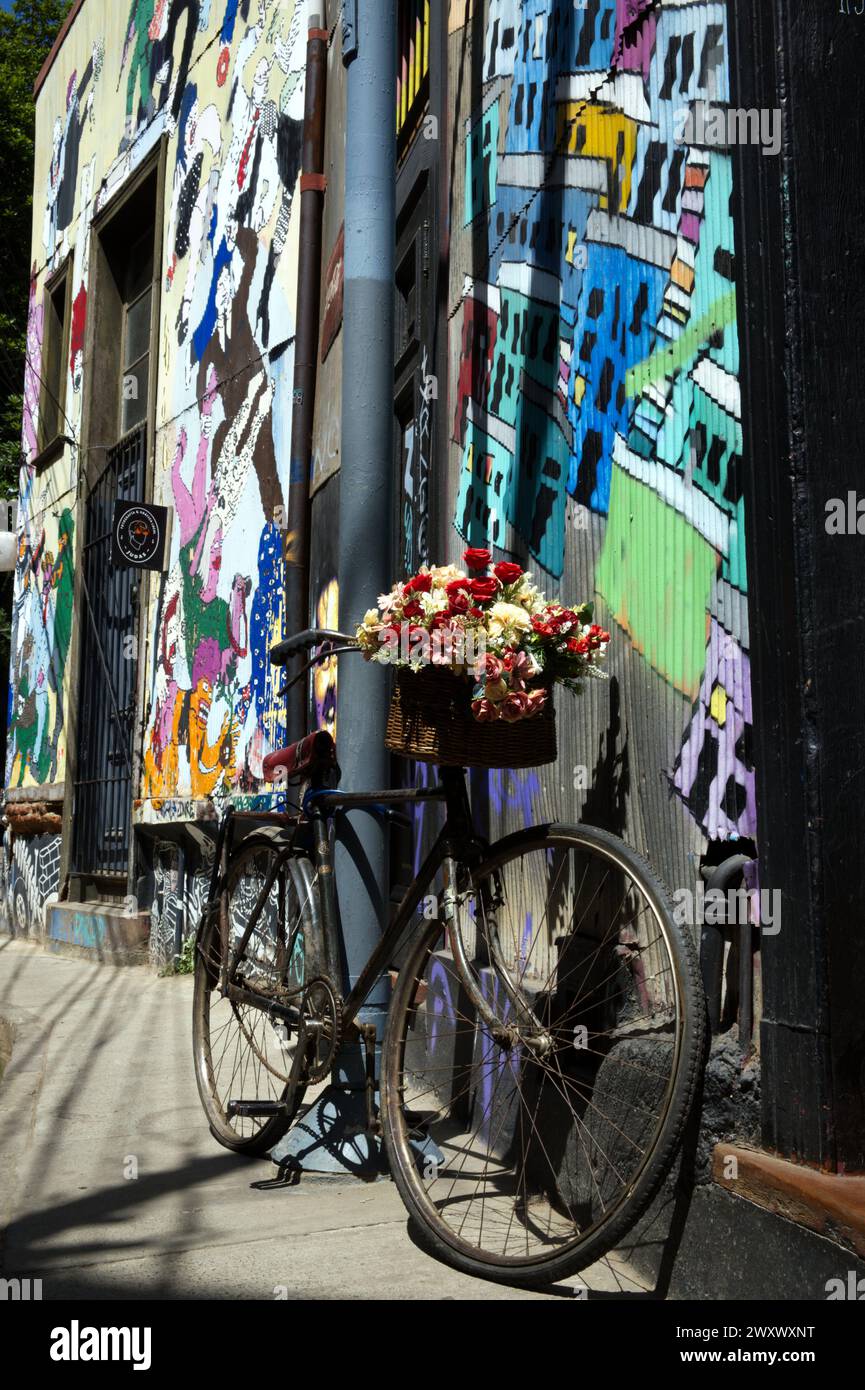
[[321, 1026]]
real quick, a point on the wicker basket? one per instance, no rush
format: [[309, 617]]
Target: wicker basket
[[431, 721]]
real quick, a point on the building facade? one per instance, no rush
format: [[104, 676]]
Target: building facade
[[569, 378], [160, 365], [565, 390]]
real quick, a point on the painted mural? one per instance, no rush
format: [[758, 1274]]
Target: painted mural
[[29, 881], [177, 899], [228, 326], [593, 408], [597, 349], [222, 82]]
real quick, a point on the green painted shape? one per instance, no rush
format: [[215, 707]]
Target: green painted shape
[[482, 163], [656, 574], [668, 360]]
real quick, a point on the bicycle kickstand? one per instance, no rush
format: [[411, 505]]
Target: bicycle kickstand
[[369, 1035]]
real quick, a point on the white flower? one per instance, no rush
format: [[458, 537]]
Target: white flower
[[433, 603], [506, 617], [445, 574]]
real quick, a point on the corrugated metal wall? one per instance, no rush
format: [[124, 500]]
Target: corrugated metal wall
[[595, 429]]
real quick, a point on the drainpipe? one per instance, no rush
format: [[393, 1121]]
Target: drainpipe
[[334, 1135], [180, 893], [365, 502], [712, 952], [312, 189]]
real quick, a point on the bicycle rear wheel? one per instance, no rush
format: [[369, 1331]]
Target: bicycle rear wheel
[[243, 1053], [526, 1151]]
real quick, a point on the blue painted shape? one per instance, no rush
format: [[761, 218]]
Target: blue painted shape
[[534, 227], [264, 629], [526, 489], [204, 332], [84, 929], [615, 329]]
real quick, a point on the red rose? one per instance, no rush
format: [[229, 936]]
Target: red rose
[[459, 602], [412, 610], [484, 589], [484, 711], [457, 586], [514, 707], [438, 620], [418, 584], [507, 572], [477, 559]]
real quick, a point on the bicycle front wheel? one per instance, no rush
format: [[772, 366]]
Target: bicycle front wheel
[[243, 1048], [526, 1146]]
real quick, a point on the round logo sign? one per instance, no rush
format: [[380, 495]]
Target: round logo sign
[[138, 536]]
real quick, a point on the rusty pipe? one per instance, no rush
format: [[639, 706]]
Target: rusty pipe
[[312, 190], [712, 937]]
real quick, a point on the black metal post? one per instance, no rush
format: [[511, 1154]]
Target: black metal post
[[799, 215]]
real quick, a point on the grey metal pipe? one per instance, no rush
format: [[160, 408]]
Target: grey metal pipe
[[365, 505]]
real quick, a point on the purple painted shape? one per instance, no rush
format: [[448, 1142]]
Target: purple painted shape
[[32, 381], [492, 1062], [634, 53], [440, 999], [689, 226], [514, 790], [422, 778], [727, 665]]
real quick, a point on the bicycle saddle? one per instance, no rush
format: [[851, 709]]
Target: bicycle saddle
[[308, 758]]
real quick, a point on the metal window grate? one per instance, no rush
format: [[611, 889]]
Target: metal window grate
[[107, 681]]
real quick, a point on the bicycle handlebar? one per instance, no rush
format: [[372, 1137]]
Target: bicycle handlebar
[[311, 637]]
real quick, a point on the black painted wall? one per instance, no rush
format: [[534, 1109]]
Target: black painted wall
[[801, 230]]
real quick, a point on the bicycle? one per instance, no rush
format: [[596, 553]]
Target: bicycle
[[545, 1030]]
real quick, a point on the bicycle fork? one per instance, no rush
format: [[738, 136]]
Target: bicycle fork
[[528, 1030]]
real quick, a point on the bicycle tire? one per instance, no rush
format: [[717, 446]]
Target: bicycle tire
[[434, 1233], [246, 1137]]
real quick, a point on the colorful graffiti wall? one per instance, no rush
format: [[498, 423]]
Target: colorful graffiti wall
[[596, 420], [220, 83]]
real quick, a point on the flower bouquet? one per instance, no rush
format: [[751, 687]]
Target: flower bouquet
[[477, 653]]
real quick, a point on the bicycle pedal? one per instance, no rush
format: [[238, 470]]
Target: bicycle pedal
[[255, 1109]]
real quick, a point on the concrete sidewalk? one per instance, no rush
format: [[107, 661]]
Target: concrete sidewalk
[[113, 1188]]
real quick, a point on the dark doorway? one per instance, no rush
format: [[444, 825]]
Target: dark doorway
[[121, 410]]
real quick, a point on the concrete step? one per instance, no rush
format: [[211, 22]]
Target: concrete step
[[98, 931]]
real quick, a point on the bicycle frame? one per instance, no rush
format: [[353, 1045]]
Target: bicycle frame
[[456, 844]]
